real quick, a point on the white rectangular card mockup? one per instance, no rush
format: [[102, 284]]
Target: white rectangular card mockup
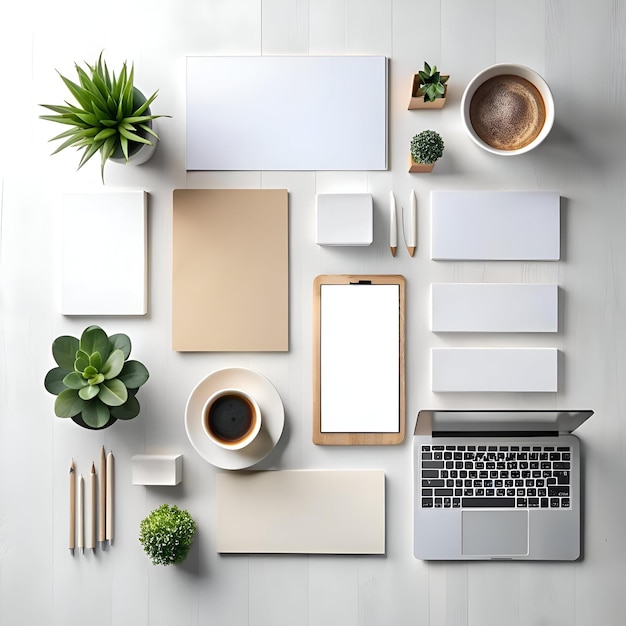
[[104, 253], [495, 225], [494, 369], [286, 113], [494, 308]]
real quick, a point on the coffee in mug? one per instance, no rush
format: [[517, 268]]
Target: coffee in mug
[[231, 418], [507, 112]]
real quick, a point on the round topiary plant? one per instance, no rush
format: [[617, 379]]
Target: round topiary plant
[[427, 147], [166, 535]]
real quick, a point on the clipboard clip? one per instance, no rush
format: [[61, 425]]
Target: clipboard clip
[[361, 282]]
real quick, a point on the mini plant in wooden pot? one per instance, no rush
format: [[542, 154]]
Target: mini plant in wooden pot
[[94, 382], [111, 116], [166, 535], [426, 148], [429, 89]]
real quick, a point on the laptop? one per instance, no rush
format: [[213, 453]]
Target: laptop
[[500, 485]]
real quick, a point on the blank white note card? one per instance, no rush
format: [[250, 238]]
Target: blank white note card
[[104, 253], [495, 369], [487, 308], [287, 113], [495, 225]]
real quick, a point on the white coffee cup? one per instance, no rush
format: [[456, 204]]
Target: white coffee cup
[[231, 418], [544, 105]]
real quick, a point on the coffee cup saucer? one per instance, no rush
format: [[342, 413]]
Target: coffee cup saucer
[[272, 411]]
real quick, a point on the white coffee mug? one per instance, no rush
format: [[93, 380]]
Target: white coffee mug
[[231, 419]]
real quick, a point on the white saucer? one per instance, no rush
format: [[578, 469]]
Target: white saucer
[[272, 411]]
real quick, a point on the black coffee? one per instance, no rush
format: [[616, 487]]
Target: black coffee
[[231, 418]]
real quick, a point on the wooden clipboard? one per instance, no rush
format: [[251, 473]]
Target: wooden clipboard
[[358, 359]]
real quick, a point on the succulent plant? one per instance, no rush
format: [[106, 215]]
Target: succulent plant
[[166, 535], [94, 382], [427, 147], [111, 115], [432, 83]]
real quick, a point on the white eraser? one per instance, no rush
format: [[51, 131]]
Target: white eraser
[[157, 469]]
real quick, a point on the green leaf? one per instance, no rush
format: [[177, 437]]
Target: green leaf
[[120, 341], [53, 382], [94, 339], [90, 372], [128, 410], [96, 414], [74, 381], [96, 379], [89, 392], [113, 365], [68, 403], [113, 392], [134, 374], [64, 351], [95, 360]]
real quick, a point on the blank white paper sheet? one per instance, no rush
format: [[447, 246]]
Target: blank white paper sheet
[[104, 253], [495, 369], [287, 113], [495, 225], [494, 308], [301, 512]]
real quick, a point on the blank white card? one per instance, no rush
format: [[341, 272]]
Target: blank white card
[[495, 369], [287, 113], [491, 307], [104, 256], [495, 225]]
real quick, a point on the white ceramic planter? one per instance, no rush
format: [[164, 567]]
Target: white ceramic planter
[[502, 69], [143, 154]]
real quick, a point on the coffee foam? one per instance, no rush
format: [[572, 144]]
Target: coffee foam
[[507, 112]]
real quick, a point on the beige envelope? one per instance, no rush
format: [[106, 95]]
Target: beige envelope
[[230, 273]]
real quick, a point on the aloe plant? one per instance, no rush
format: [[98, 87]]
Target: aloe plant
[[93, 381], [111, 116], [432, 83]]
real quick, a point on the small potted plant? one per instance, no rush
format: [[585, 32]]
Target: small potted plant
[[111, 116], [429, 89], [166, 535], [94, 382], [426, 148]]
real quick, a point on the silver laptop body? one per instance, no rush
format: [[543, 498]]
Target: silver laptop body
[[499, 485]]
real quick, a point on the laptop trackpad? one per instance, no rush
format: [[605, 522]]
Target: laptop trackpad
[[497, 533]]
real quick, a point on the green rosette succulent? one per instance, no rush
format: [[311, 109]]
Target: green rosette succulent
[[94, 382], [166, 535]]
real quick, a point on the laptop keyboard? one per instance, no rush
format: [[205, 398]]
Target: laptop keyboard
[[495, 476]]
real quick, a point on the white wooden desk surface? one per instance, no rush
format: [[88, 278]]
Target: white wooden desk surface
[[578, 46]]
